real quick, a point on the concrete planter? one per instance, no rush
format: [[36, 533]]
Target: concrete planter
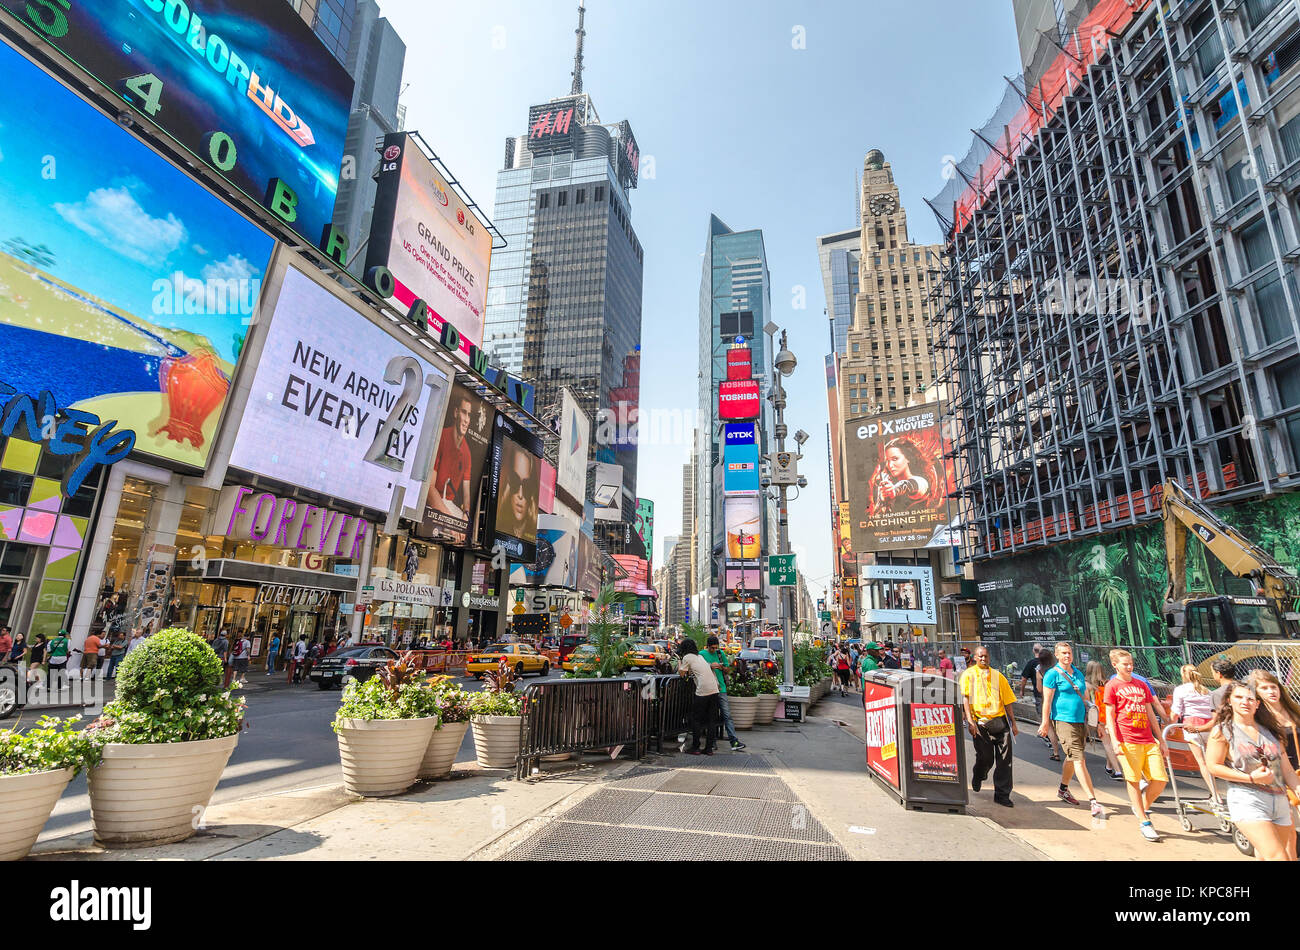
[[743, 710], [440, 754], [767, 703], [152, 793], [382, 757], [25, 805], [496, 740]]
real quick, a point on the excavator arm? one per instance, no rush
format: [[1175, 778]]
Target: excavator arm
[[1183, 513]]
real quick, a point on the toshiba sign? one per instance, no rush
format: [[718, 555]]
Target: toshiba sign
[[738, 399]]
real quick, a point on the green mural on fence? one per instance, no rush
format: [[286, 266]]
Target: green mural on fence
[[1110, 589]]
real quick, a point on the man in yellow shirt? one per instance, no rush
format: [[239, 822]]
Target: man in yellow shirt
[[986, 699]]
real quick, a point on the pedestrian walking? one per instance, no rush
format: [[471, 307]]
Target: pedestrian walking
[[963, 662], [60, 649], [137, 640], [299, 658], [6, 642], [855, 673], [272, 653], [90, 654], [18, 650], [38, 653], [116, 651], [1096, 677], [946, 667], [870, 661], [986, 701], [843, 679], [890, 660], [1245, 750], [1029, 676], [704, 710], [1225, 674], [1046, 661], [221, 647], [1065, 711], [719, 662], [1130, 712], [239, 651], [1193, 709]]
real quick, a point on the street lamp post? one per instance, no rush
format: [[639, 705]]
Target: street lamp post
[[784, 364]]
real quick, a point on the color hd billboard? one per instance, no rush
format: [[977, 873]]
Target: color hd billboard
[[126, 289], [243, 84]]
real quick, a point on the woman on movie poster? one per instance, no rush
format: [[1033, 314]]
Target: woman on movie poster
[[905, 479]]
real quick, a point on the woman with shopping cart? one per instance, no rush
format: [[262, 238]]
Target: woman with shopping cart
[[1245, 750]]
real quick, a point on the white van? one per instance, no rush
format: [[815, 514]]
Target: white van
[[775, 644]]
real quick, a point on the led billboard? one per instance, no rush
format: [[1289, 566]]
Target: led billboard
[[745, 575], [898, 480], [436, 247], [740, 363], [513, 491], [740, 469], [338, 405], [126, 288], [739, 399], [552, 126], [557, 561], [744, 526], [645, 525], [458, 465], [575, 444], [243, 84]]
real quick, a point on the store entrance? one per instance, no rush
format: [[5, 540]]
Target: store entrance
[[9, 591]]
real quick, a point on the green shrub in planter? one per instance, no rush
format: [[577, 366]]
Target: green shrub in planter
[[50, 745], [743, 688], [375, 699], [451, 703], [496, 704], [169, 690], [763, 685]]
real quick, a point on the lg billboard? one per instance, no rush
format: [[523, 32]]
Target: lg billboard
[[436, 247]]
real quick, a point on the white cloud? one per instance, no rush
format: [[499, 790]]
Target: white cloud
[[114, 218], [234, 267]]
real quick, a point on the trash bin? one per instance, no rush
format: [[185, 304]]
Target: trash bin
[[914, 746]]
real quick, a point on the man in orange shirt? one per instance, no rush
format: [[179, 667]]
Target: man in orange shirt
[[90, 653]]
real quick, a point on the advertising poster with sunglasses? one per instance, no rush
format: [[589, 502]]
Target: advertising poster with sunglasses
[[458, 467], [514, 490]]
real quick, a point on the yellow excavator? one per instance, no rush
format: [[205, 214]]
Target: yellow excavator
[[1270, 613]]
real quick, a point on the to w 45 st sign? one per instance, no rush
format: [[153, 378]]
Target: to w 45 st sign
[[781, 571]]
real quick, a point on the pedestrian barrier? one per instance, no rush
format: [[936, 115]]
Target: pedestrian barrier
[[671, 714], [565, 716], [438, 661]]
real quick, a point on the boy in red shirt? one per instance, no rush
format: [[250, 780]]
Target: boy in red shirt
[[1130, 710]]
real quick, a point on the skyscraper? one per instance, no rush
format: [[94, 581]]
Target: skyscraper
[[840, 255], [564, 304], [735, 305], [332, 20]]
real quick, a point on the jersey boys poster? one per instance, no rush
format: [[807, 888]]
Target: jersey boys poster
[[898, 479]]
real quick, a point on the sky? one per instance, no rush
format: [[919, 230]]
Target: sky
[[756, 110]]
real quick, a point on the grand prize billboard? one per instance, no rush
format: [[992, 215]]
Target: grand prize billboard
[[898, 480], [436, 247], [513, 489], [243, 84], [338, 406], [458, 464], [126, 289]]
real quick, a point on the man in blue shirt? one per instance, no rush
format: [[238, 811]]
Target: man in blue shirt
[[1066, 712]]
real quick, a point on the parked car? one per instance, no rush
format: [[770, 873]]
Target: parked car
[[523, 657], [763, 660], [10, 695], [360, 663]]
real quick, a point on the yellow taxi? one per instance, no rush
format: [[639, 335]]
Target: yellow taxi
[[648, 654], [583, 655], [523, 657]]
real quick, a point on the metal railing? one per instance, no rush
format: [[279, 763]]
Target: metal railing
[[581, 715], [671, 712], [1281, 657]]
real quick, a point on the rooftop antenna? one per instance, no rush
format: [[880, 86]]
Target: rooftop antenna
[[577, 57]]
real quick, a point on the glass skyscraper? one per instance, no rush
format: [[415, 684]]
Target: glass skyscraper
[[564, 296]]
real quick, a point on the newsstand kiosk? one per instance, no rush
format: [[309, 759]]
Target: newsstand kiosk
[[914, 745]]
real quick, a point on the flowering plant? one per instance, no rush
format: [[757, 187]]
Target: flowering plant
[[169, 690], [394, 693], [486, 703], [449, 701], [50, 745]]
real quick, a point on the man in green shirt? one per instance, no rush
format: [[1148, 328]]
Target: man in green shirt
[[719, 661], [870, 657]]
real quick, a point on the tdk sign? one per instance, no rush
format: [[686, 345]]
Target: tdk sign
[[746, 434]]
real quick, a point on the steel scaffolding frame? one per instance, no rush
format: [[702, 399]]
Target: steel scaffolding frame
[[1171, 170]]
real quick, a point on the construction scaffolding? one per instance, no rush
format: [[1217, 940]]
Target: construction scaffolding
[[1118, 300]]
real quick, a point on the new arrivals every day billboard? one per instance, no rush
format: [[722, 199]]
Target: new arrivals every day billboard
[[436, 247], [243, 84], [339, 406], [898, 479], [126, 289]]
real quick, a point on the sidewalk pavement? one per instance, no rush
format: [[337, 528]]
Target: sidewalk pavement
[[798, 792], [1066, 832]]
